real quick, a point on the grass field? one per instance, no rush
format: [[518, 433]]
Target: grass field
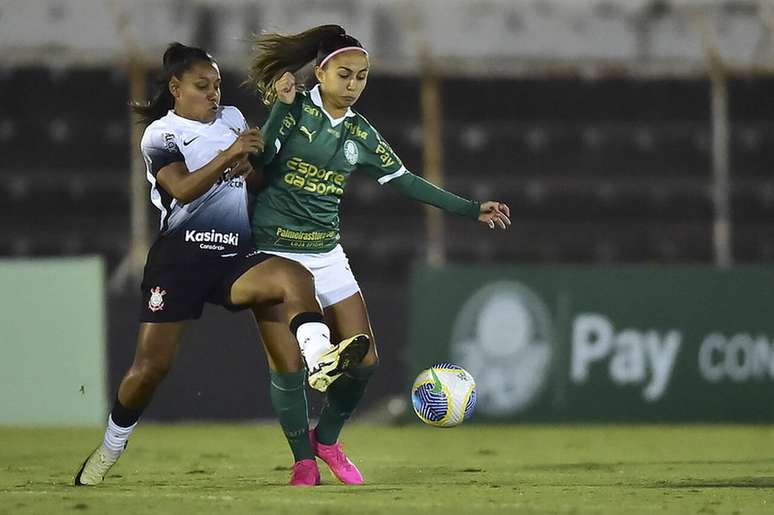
[[243, 468]]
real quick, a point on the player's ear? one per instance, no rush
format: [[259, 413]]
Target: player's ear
[[174, 87], [319, 73]]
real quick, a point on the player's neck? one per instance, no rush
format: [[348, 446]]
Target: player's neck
[[182, 113], [331, 109]]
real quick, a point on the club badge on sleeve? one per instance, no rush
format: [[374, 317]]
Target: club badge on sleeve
[[156, 302]]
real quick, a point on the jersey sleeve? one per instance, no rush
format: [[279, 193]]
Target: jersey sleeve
[[426, 192], [379, 159], [282, 118], [159, 149], [383, 164]]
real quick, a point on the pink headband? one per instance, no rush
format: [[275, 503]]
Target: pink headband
[[340, 50]]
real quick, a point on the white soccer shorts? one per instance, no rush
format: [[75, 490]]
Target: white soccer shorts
[[333, 278]]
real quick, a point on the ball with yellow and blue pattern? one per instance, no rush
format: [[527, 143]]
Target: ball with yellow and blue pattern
[[444, 395]]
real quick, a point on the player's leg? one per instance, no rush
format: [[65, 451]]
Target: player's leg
[[157, 345], [277, 280], [346, 317], [287, 392]]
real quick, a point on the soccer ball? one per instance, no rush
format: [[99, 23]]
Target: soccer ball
[[444, 395]]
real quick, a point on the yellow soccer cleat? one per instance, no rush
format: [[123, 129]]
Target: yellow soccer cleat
[[95, 467], [342, 357]]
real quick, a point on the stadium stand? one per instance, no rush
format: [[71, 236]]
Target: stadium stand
[[595, 170]]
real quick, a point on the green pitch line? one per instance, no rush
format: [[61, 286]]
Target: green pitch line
[[243, 468]]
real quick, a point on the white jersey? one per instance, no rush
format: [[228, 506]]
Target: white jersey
[[217, 223]]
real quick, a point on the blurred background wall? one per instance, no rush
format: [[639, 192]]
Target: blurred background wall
[[619, 132]]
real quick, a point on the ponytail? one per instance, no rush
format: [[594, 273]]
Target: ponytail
[[178, 58], [274, 54]]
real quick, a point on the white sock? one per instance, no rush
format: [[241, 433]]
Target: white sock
[[314, 338], [116, 436]]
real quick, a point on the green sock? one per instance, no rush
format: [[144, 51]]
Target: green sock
[[288, 397], [343, 396]]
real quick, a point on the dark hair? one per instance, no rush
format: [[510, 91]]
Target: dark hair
[[178, 58], [275, 54]]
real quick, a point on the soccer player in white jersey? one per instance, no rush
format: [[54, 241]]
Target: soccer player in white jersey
[[314, 141], [196, 152]]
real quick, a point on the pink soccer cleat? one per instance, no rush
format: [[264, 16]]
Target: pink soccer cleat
[[305, 473], [333, 455]]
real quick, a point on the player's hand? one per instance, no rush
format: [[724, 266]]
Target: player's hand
[[241, 167], [286, 88], [249, 142], [495, 214]]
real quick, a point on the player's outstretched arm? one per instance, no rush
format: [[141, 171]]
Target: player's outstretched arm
[[494, 214], [186, 187]]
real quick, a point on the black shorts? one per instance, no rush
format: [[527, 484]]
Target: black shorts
[[176, 292]]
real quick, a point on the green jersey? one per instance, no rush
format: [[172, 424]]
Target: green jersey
[[307, 160]]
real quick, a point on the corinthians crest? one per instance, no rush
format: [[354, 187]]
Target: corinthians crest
[[156, 302]]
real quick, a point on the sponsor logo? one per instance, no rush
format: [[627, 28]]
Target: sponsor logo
[[738, 358], [287, 123], [312, 110], [306, 236], [307, 133], [226, 238], [636, 357], [305, 240], [385, 153], [156, 302], [355, 130], [350, 152], [231, 180], [186, 143], [314, 179], [169, 142], [503, 336]]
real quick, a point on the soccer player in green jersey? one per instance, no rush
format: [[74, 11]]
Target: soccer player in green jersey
[[196, 153], [314, 141]]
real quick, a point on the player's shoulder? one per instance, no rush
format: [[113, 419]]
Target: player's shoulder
[[360, 119], [233, 117], [359, 126], [303, 95], [160, 133], [303, 105]]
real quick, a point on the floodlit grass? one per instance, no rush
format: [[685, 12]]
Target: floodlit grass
[[243, 468]]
